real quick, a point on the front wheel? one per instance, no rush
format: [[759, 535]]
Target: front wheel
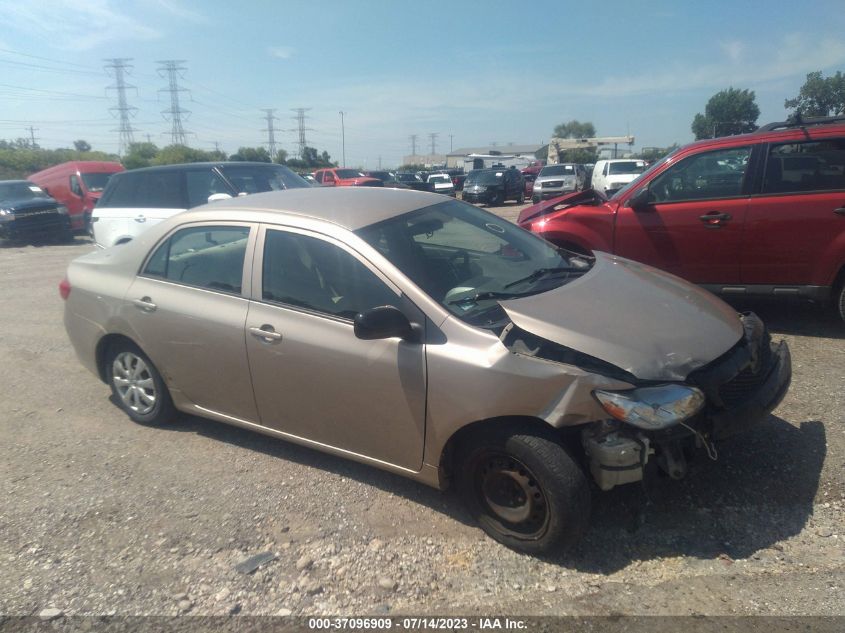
[[535, 199], [137, 385], [840, 300], [524, 488]]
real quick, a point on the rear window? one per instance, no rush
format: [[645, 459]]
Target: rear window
[[627, 167], [146, 190]]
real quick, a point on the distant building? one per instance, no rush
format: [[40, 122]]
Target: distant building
[[427, 160], [456, 158]]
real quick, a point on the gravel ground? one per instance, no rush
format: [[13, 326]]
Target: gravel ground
[[102, 516]]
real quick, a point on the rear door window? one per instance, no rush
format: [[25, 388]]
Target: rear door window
[[210, 257], [805, 166]]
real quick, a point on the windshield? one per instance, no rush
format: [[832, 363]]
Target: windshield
[[96, 181], [483, 177], [258, 178], [467, 259], [557, 170], [348, 173], [20, 191], [626, 167], [644, 175]]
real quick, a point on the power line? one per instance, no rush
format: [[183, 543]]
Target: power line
[[271, 139], [120, 67], [174, 69]]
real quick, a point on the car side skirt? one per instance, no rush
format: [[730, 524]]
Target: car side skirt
[[428, 474], [820, 294]]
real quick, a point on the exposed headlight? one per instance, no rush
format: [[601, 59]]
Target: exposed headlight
[[62, 209], [652, 408], [6, 212], [538, 185]]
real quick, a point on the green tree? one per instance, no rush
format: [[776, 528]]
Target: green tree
[[140, 155], [573, 129], [254, 154], [82, 146], [176, 154], [820, 96], [311, 159], [281, 157], [731, 111]]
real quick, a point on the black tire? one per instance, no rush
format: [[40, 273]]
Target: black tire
[[137, 386], [839, 300], [523, 488], [535, 199]]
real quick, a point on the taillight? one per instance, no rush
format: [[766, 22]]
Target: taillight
[[64, 288]]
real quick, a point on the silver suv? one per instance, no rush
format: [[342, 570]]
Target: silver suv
[[556, 180], [427, 337]]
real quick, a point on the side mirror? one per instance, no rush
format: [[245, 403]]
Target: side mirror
[[640, 200], [383, 322], [218, 196]]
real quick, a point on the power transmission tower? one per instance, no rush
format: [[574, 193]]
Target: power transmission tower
[[119, 68], [450, 142], [32, 138], [300, 129], [173, 68], [271, 138], [433, 138], [413, 138]]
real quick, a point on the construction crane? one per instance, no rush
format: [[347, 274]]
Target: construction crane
[[559, 145]]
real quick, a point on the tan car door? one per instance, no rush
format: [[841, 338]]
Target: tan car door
[[188, 312], [312, 377]]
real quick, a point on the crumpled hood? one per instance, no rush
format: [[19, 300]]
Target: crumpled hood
[[650, 323]]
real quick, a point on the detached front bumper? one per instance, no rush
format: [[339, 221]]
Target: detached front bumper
[[759, 402]]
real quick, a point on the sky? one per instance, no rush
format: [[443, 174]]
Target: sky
[[472, 72]]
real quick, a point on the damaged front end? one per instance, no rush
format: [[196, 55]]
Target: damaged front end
[[667, 421]]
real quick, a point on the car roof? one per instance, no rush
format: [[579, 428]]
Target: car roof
[[208, 165], [17, 182], [349, 207]]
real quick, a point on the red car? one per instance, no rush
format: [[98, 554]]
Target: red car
[[341, 177], [753, 214]]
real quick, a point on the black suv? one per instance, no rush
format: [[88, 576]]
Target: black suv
[[26, 211], [494, 186]]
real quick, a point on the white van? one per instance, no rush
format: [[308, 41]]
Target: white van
[[609, 176]]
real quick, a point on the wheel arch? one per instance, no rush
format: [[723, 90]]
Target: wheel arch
[[103, 347], [568, 436]]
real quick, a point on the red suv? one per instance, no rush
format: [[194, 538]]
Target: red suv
[[337, 177], [754, 214]]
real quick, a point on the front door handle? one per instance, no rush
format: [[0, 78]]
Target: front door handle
[[714, 219], [266, 333], [839, 211], [141, 218], [145, 304]]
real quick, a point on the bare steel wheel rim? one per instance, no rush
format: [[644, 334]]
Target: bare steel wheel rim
[[134, 382], [511, 494]]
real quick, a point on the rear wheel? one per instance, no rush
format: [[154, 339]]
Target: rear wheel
[[840, 300], [524, 489], [137, 385]]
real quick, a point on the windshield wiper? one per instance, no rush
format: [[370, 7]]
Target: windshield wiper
[[490, 294], [539, 273]]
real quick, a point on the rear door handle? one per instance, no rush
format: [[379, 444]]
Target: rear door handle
[[145, 304], [266, 333], [839, 211], [715, 219]]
